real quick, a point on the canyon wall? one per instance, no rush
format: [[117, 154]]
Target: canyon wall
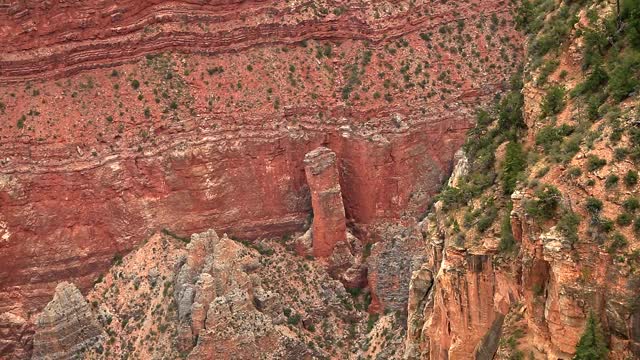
[[126, 118], [517, 273]]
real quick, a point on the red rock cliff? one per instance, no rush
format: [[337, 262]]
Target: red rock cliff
[[94, 160]]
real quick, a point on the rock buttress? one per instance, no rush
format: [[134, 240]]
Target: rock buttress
[[329, 224], [66, 326]]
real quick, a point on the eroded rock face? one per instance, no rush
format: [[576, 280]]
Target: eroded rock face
[[214, 293], [329, 225], [537, 296], [66, 327], [219, 298], [16, 335], [390, 267]]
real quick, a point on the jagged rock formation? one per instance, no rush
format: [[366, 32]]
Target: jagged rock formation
[[16, 335], [66, 327], [222, 309], [220, 298], [329, 224]]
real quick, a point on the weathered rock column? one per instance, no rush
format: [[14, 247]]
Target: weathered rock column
[[329, 225]]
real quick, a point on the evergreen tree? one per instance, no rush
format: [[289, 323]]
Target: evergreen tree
[[591, 345]]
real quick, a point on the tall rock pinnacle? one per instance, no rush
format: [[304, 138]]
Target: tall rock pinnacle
[[329, 223]]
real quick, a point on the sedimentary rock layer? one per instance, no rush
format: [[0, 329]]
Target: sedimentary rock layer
[[62, 38], [66, 326]]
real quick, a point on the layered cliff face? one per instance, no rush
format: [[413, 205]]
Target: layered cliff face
[[66, 326], [537, 230], [127, 117]]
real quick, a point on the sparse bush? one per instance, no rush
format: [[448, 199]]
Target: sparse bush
[[631, 204], [593, 205], [553, 102], [574, 172], [612, 180], [546, 203], [135, 84], [595, 163], [568, 226], [215, 70], [624, 219], [631, 178], [618, 241]]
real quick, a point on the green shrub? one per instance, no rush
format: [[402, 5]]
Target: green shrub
[[553, 102], [21, 121], [618, 241], [507, 241], [547, 69], [510, 111], [631, 178], [135, 84], [591, 345], [487, 219], [620, 153], [514, 164], [568, 226], [612, 180], [593, 83], [294, 319], [546, 202], [623, 75], [593, 205], [595, 163], [631, 204], [574, 172], [549, 136], [605, 225], [542, 172], [624, 219]]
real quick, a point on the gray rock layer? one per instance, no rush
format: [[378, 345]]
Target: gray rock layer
[[66, 326]]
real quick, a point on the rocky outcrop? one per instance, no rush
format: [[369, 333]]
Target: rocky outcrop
[[220, 298], [66, 327], [217, 300], [16, 335], [390, 266], [329, 224]]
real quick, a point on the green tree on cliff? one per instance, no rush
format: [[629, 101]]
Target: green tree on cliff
[[591, 345]]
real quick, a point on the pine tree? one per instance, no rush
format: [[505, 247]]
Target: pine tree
[[591, 345]]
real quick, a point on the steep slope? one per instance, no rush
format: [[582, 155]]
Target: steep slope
[[537, 228], [203, 119]]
